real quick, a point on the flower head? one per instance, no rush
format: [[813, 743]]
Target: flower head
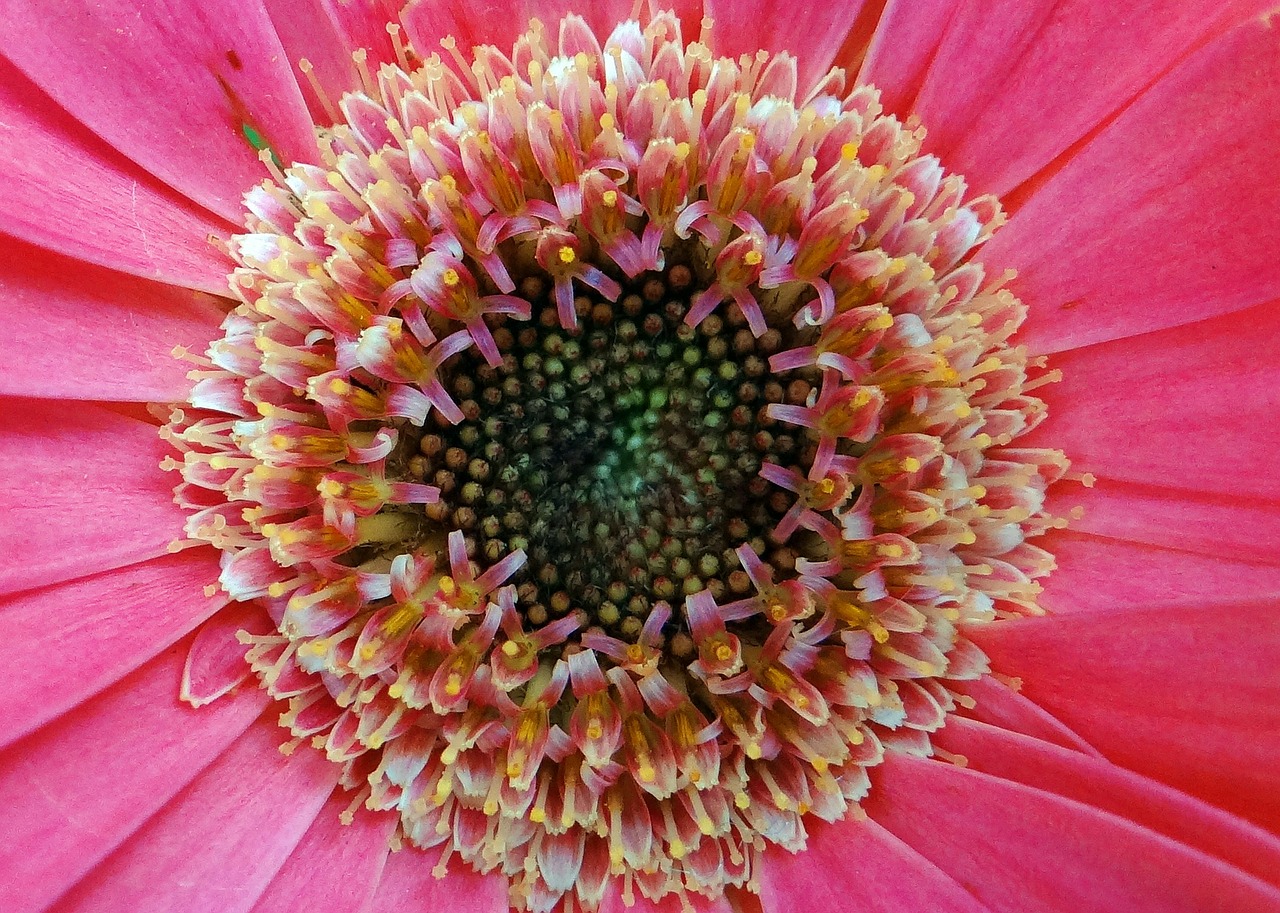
[[622, 457]]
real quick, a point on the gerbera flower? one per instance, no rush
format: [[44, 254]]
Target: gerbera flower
[[627, 457]]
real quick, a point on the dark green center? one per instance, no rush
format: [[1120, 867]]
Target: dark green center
[[622, 455]]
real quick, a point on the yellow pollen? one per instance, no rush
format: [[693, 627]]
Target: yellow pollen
[[753, 258], [567, 254], [609, 198], [451, 278]]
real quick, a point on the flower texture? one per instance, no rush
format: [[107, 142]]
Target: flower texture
[[702, 457]]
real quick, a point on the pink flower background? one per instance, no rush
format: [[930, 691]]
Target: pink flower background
[[1126, 757]]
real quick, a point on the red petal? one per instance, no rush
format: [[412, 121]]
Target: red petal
[[901, 49], [340, 863], [999, 705], [79, 786], [68, 642], [858, 865], [1141, 576], [1136, 215], [1193, 406], [1240, 527], [1016, 82], [66, 190], [408, 884], [171, 84], [1114, 789], [82, 492], [220, 842], [1017, 848], [1186, 695], [216, 660], [813, 32], [75, 331]]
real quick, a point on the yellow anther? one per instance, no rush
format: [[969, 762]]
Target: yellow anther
[[609, 198], [910, 464], [451, 278], [753, 258], [567, 254]]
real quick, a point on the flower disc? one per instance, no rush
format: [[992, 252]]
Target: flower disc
[[617, 442]]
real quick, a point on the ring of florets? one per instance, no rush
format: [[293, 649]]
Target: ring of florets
[[617, 444]]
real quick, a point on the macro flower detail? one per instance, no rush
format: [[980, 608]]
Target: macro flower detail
[[703, 456], [616, 441]]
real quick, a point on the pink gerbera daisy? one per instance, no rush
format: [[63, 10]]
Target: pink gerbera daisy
[[621, 454]]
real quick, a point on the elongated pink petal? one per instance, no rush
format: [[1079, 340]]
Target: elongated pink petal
[[1015, 83], [407, 883], [82, 492], [1194, 405], [79, 786], [1186, 695], [997, 704], [219, 843], [316, 39], [1103, 785], [179, 86], [904, 43], [1239, 527], [215, 661], [340, 863], [72, 640], [1128, 236], [1140, 576], [76, 331], [858, 865], [1017, 848], [813, 32], [59, 179], [499, 23], [363, 24]]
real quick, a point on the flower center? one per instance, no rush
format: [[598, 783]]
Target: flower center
[[618, 445], [621, 455]]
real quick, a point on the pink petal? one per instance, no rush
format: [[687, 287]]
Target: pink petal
[[1193, 406], [170, 84], [1186, 695], [812, 31], [1141, 576], [901, 49], [1239, 527], [997, 704], [337, 863], [78, 196], [76, 331], [858, 865], [363, 24], [216, 658], [317, 39], [476, 22], [408, 884], [1129, 235], [1016, 848], [218, 844], [1015, 83], [82, 492], [1103, 785], [79, 786], [68, 642]]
